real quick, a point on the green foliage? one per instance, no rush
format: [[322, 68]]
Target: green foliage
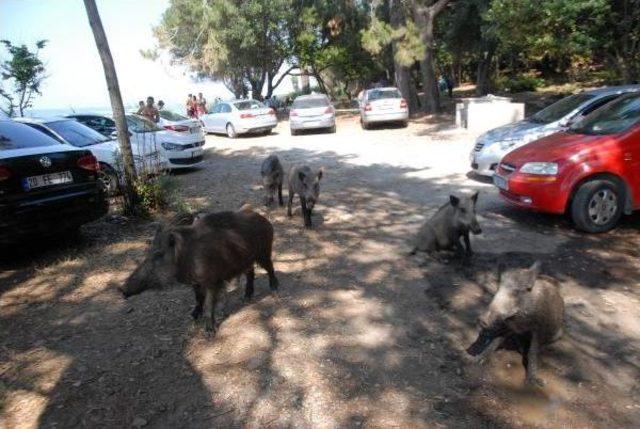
[[159, 193], [521, 83], [24, 72]]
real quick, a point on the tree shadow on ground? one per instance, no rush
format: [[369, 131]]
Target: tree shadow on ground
[[361, 335]]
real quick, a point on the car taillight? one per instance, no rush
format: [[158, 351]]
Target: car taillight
[[272, 112], [246, 115], [178, 128], [367, 107], [5, 173], [329, 110], [403, 104], [293, 113], [88, 162]]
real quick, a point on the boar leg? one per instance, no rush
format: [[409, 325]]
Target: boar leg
[[280, 195], [267, 264], [530, 361], [306, 213], [248, 289], [197, 310], [289, 203], [467, 243], [458, 247], [210, 300]]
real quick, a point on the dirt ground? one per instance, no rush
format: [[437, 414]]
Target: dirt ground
[[360, 336]]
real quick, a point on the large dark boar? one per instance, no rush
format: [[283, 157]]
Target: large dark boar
[[215, 249], [448, 225], [306, 183], [525, 313], [272, 179]]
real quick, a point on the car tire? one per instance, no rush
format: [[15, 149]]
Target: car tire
[[332, 130], [109, 180], [294, 132], [597, 205], [231, 131], [364, 125], [404, 124]]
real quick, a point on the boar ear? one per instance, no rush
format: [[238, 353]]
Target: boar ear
[[320, 173], [474, 197], [535, 269], [454, 200], [501, 268]]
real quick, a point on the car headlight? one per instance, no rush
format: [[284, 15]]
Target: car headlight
[[542, 168], [171, 146]]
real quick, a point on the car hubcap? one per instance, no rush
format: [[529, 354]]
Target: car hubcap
[[230, 131], [603, 206]]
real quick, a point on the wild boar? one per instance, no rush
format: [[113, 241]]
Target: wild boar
[[526, 313], [216, 248], [272, 179], [448, 225], [306, 183]]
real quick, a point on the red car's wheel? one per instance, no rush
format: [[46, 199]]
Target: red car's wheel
[[597, 205]]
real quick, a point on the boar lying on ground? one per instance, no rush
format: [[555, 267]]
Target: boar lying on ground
[[451, 222], [526, 313], [216, 248], [306, 183], [272, 178]]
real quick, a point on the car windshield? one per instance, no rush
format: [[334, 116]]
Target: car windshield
[[138, 124], [77, 134], [19, 136], [309, 103], [248, 105], [560, 109], [380, 94], [170, 116], [617, 117]]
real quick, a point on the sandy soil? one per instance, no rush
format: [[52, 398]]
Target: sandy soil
[[360, 336]]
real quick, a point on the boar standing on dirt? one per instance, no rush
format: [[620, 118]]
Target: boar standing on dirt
[[526, 313], [272, 178], [215, 249], [451, 222], [306, 183]]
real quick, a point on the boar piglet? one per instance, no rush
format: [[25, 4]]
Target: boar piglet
[[525, 313], [448, 225], [306, 183], [215, 249], [272, 179]]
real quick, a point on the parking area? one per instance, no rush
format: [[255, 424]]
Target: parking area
[[362, 335]]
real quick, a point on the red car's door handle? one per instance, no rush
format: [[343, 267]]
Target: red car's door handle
[[628, 157]]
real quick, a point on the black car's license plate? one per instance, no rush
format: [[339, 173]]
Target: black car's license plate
[[33, 182], [501, 182]]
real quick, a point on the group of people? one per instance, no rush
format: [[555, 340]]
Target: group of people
[[149, 110], [196, 106]]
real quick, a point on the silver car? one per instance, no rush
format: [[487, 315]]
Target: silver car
[[493, 145], [239, 117], [383, 105], [312, 112]]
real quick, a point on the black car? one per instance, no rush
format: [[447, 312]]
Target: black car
[[46, 188], [104, 126]]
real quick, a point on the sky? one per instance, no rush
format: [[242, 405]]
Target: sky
[[76, 78]]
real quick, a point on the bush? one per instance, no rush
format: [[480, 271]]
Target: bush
[[521, 83], [159, 193]]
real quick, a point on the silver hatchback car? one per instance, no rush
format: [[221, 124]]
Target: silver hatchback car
[[383, 105], [310, 112]]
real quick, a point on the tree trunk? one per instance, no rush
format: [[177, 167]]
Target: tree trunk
[[130, 196], [483, 82], [402, 73], [431, 97]]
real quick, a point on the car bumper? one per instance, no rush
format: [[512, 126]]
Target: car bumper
[[484, 164], [312, 123], [51, 214], [256, 126], [540, 193], [184, 159], [395, 116]]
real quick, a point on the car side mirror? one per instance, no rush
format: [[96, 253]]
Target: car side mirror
[[114, 135]]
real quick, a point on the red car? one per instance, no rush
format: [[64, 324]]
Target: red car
[[591, 171]]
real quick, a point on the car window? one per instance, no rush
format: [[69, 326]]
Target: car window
[[598, 104], [381, 94], [170, 116], [14, 135], [309, 103], [560, 109], [138, 124], [225, 108], [616, 117], [76, 133], [46, 131], [248, 105]]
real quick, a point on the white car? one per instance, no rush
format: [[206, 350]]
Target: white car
[[71, 132], [176, 123], [383, 105], [239, 117], [493, 145], [312, 112]]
